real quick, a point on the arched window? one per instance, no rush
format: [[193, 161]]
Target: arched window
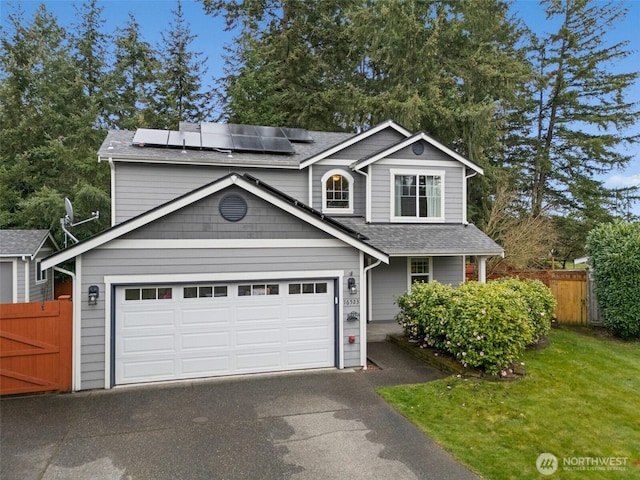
[[337, 192]]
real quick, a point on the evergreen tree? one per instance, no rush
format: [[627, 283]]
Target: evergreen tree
[[292, 63], [578, 113], [179, 94], [91, 51], [48, 145], [133, 79]]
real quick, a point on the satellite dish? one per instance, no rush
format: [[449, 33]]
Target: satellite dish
[[69, 208]]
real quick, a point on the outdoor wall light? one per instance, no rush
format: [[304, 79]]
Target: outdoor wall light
[[351, 285], [94, 293]]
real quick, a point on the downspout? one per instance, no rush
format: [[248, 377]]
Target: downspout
[[364, 310], [367, 217], [464, 196], [75, 344], [27, 279], [112, 168]]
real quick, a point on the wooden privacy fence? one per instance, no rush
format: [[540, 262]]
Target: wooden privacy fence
[[576, 300], [570, 289], [35, 347]]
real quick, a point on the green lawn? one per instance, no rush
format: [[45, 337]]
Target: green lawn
[[579, 401]]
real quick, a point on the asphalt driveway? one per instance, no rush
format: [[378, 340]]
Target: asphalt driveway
[[315, 425]]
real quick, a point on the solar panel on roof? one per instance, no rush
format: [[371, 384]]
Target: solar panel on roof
[[248, 143], [238, 129], [270, 132], [277, 145], [184, 139], [219, 128], [297, 135], [216, 141], [148, 136]]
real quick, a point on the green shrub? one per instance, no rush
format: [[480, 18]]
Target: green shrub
[[541, 304], [614, 251], [484, 326], [424, 313], [489, 326]]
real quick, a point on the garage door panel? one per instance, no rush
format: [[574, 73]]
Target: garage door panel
[[259, 338], [148, 318], [206, 366], [194, 337], [155, 370], [198, 341], [148, 344], [206, 316], [259, 361], [259, 313]]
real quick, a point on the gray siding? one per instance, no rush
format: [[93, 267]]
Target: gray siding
[[390, 281], [387, 283], [98, 263], [369, 146], [381, 186], [202, 220], [39, 292], [140, 187], [449, 270]]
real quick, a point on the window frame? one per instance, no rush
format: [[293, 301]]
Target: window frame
[[411, 275], [41, 275], [324, 179], [393, 173]]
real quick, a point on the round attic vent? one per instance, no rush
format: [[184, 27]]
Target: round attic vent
[[417, 148], [233, 207]]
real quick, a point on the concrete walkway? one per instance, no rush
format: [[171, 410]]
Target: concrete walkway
[[308, 425]]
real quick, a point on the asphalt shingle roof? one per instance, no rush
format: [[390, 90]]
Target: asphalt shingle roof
[[424, 239], [15, 243]]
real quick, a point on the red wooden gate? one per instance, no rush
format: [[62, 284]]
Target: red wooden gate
[[35, 346]]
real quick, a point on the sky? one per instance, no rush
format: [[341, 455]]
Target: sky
[[154, 15]]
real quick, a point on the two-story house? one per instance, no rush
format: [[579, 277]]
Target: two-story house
[[239, 249]]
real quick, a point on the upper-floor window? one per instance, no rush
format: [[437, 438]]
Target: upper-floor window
[[417, 197], [337, 192]]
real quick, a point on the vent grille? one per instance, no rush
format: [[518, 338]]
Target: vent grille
[[233, 207]]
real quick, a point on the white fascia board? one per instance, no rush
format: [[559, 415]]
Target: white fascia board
[[191, 162], [353, 141], [445, 254], [238, 243], [168, 278], [409, 141]]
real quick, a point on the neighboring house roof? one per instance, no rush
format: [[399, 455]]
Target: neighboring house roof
[[418, 137], [246, 182], [27, 243], [425, 239], [117, 146]]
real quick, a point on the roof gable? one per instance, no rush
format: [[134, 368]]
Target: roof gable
[[245, 182], [389, 124], [417, 138]]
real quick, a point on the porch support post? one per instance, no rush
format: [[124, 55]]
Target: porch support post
[[482, 269]]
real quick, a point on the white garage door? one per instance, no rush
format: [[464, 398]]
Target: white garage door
[[190, 331]]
